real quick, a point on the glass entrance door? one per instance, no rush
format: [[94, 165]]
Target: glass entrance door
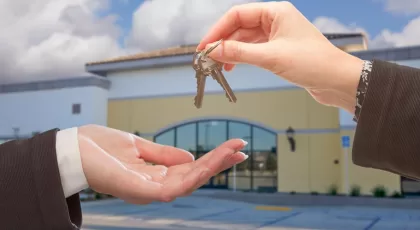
[[259, 172]]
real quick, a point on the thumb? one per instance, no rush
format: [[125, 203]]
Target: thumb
[[234, 52]]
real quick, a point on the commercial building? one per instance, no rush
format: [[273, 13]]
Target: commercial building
[[295, 144]]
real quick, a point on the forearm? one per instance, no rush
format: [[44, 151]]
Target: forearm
[[31, 190], [388, 121]]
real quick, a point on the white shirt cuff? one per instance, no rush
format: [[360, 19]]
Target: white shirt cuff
[[72, 176]]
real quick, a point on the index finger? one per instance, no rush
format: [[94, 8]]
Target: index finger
[[161, 154], [240, 16]]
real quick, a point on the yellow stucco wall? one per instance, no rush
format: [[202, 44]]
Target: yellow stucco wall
[[276, 109], [310, 168], [368, 178]]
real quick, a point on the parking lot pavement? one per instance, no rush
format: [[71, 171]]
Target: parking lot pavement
[[205, 213]]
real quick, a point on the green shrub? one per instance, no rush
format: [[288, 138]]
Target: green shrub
[[98, 196], [333, 190], [314, 193], [397, 195], [355, 190], [292, 193], [379, 191]]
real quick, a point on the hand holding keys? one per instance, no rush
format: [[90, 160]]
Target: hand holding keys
[[205, 66]]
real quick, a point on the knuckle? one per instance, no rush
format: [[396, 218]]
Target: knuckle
[[225, 152], [286, 5], [234, 50]]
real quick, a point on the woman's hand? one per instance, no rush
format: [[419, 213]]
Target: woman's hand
[[277, 37], [114, 162]]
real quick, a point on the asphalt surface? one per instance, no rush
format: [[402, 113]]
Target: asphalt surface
[[204, 213]]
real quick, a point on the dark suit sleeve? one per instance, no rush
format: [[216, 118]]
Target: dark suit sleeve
[[388, 130], [31, 195]]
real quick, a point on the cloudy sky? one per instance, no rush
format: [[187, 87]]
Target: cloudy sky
[[44, 39]]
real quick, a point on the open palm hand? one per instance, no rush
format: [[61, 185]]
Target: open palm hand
[[114, 163]]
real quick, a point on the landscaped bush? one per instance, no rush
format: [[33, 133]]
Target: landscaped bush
[[314, 193], [355, 190], [397, 195], [98, 196], [379, 191], [333, 190], [292, 193]]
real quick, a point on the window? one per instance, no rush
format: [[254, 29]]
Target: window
[[211, 134], [260, 170], [76, 109], [243, 170], [186, 138], [264, 153], [166, 138]]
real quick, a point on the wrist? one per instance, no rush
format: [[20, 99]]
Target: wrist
[[345, 74], [69, 162]]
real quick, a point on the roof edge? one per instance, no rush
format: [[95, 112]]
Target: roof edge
[[182, 55], [56, 84]]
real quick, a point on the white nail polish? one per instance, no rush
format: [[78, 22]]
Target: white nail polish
[[245, 156], [245, 142]]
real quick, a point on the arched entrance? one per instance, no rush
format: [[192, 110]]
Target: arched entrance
[[259, 172]]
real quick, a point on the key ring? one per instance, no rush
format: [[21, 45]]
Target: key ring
[[207, 52]]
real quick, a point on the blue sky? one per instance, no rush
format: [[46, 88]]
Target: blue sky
[[369, 14], [48, 31]]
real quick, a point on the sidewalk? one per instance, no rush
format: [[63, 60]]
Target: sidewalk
[[281, 199]]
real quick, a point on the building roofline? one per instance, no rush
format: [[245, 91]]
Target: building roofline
[[183, 55], [56, 84], [390, 54]]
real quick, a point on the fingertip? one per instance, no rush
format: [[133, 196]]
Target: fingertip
[[229, 67], [188, 155], [235, 144], [243, 155], [192, 156], [200, 47]]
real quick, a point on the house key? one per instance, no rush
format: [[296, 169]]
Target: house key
[[205, 66]]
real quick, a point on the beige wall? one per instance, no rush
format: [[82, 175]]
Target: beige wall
[[275, 109], [368, 178], [310, 168]]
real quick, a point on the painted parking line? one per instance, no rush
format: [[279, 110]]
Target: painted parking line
[[375, 221], [278, 220], [273, 208]]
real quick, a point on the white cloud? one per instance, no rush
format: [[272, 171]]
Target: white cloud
[[332, 25], [163, 23], [44, 39], [407, 7], [408, 36]]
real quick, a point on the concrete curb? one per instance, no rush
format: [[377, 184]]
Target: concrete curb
[[311, 200]]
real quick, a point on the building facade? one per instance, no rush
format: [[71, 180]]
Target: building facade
[[151, 94]]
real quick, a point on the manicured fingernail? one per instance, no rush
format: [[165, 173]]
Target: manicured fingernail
[[245, 156], [245, 142]]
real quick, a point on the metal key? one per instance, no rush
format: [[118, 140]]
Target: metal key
[[201, 81], [205, 66]]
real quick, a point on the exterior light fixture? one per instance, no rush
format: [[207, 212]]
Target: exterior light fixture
[[290, 133]]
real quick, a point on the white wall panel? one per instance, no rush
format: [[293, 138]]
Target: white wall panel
[[181, 80], [37, 111]]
